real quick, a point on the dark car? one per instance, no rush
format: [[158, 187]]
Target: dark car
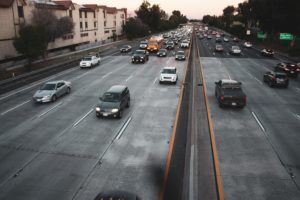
[[125, 48], [273, 78], [218, 40], [229, 93], [267, 52], [209, 37], [162, 53], [113, 102], [170, 45], [235, 39], [219, 48], [140, 56], [179, 55], [290, 69]]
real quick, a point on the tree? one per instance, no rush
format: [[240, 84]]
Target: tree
[[228, 14], [134, 28]]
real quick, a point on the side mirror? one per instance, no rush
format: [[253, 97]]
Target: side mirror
[[101, 98], [216, 83]]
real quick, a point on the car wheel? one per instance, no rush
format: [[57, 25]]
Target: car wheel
[[53, 98], [68, 90], [120, 114], [270, 84], [128, 104], [221, 105], [286, 85]]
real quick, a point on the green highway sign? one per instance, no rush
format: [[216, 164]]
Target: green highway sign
[[261, 35], [286, 36]]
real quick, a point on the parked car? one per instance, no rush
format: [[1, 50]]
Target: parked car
[[273, 78], [143, 45], [247, 44], [235, 50], [125, 48], [162, 53], [169, 75], [219, 48], [113, 102], [50, 91], [89, 61], [179, 55], [229, 93], [140, 56], [290, 69], [267, 52]]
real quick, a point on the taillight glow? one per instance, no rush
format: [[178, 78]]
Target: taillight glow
[[222, 98]]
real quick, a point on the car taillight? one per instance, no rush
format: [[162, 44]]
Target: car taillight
[[222, 98], [274, 78]]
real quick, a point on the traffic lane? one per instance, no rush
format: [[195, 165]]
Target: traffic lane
[[20, 106], [237, 133], [83, 150], [138, 157]]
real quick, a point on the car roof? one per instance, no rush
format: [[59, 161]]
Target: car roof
[[180, 51], [54, 82], [229, 81], [169, 67], [116, 88]]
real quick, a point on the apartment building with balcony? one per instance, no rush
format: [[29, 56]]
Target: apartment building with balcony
[[92, 22]]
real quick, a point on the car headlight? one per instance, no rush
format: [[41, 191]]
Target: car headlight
[[114, 110], [176, 56], [155, 48], [132, 57], [98, 109], [46, 97], [142, 57]]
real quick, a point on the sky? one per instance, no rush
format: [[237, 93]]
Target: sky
[[193, 9]]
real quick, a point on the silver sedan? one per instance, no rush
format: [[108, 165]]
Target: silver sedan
[[50, 91]]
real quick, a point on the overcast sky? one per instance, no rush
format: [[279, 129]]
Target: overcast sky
[[190, 8]]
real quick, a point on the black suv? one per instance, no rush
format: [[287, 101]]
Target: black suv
[[291, 69], [276, 79], [113, 102], [140, 56], [170, 45]]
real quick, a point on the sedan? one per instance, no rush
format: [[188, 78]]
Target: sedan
[[235, 50], [247, 44], [290, 69], [267, 52], [219, 48], [162, 53], [125, 48], [50, 91]]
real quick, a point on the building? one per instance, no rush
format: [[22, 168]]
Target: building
[[92, 22]]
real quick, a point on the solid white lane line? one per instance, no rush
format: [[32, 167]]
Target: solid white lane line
[[13, 108], [258, 80], [298, 89], [44, 113], [191, 179], [37, 83], [106, 74], [128, 78], [82, 118], [258, 121], [123, 128], [154, 81], [297, 116]]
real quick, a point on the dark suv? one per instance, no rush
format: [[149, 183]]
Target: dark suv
[[140, 56], [291, 69], [276, 79], [113, 102]]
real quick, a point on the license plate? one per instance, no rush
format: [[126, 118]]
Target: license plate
[[105, 114], [233, 104]]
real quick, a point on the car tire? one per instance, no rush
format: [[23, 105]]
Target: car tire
[[286, 85], [221, 105], [270, 84], [53, 99], [120, 114], [68, 90], [128, 104]]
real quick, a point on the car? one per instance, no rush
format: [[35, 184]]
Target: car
[[169, 75], [225, 39], [162, 53], [290, 69], [218, 40], [140, 56], [170, 45], [235, 39], [143, 45], [184, 44], [113, 102], [235, 50], [267, 52], [125, 48], [219, 48], [273, 78], [247, 44], [89, 61], [229, 93], [50, 91], [179, 55], [209, 37], [201, 37]]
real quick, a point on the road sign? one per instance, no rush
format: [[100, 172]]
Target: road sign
[[286, 36], [261, 35]]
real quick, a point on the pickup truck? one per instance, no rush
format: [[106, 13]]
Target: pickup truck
[[229, 93], [90, 61]]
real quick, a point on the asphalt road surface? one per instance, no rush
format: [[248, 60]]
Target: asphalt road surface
[[62, 151], [258, 146]]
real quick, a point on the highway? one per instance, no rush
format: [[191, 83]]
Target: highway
[[62, 151], [258, 146]]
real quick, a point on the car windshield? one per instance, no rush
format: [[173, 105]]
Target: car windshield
[[48, 86], [162, 51], [168, 71], [180, 53], [87, 59], [280, 76], [235, 48], [155, 43], [218, 46], [125, 46], [139, 52], [111, 97], [144, 42]]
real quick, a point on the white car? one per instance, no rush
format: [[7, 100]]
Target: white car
[[89, 61], [225, 39], [169, 75], [143, 45], [184, 44], [235, 50], [247, 44]]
